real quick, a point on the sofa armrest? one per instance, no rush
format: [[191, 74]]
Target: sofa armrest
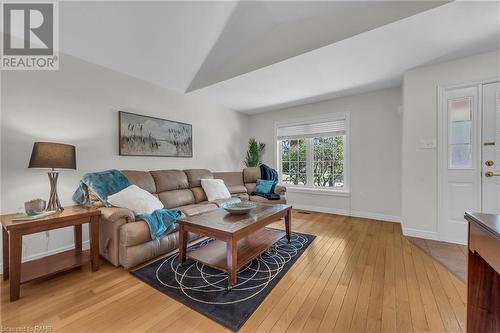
[[113, 214], [281, 190], [112, 219]]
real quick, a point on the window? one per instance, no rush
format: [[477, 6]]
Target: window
[[328, 161], [313, 154], [293, 161]]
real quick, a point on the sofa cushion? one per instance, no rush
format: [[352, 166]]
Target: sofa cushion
[[196, 175], [241, 196], [136, 233], [233, 189], [257, 198], [168, 180], [143, 179], [220, 202], [250, 187], [250, 175], [199, 194], [177, 198], [194, 209], [230, 178]]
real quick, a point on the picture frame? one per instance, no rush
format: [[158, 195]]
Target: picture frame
[[141, 135]]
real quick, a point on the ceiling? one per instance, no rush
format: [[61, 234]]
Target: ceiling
[[262, 55]]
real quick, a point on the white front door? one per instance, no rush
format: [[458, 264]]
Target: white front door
[[459, 157], [490, 178]]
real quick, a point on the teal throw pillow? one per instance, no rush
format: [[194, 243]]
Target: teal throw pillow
[[263, 186]]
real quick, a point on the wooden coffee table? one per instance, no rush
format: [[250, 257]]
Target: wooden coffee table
[[238, 238]]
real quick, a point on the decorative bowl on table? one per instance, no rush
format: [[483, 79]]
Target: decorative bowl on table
[[34, 207], [239, 208]]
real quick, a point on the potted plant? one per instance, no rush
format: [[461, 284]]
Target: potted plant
[[254, 154]]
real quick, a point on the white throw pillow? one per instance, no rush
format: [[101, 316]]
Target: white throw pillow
[[215, 189], [136, 199]]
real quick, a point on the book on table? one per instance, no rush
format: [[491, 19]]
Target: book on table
[[26, 217]]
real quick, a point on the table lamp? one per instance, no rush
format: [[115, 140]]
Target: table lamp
[[49, 155]]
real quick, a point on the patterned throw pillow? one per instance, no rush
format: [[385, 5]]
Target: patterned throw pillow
[[94, 200], [263, 186]]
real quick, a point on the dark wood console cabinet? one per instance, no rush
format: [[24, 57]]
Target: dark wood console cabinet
[[483, 278]]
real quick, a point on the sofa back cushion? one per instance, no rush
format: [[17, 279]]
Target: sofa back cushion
[[194, 179], [176, 198], [233, 181], [195, 176], [142, 179], [168, 180], [172, 187], [250, 176]]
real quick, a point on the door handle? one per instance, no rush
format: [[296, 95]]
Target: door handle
[[491, 174]]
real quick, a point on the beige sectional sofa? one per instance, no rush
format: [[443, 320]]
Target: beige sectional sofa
[[127, 242]]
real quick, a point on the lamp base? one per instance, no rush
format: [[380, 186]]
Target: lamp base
[[54, 203]]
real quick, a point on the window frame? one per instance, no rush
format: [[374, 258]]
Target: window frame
[[310, 154]]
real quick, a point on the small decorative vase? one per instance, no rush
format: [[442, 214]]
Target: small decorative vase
[[34, 207]]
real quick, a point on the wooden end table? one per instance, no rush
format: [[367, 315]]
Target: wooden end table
[[238, 238], [13, 231]]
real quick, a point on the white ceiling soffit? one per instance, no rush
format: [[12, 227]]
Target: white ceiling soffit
[[371, 60], [182, 45], [161, 42], [261, 33]]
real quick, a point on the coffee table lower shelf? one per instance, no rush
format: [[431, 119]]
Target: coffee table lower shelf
[[215, 255]]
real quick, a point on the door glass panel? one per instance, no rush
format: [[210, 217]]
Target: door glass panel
[[460, 109], [460, 133], [460, 156]]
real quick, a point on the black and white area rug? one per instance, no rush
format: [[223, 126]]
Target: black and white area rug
[[205, 289]]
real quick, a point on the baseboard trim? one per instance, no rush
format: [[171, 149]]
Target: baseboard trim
[[353, 213], [85, 246], [451, 240], [376, 216], [419, 233], [318, 209], [432, 235]]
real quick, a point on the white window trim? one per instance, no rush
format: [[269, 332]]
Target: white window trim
[[316, 190], [308, 188]]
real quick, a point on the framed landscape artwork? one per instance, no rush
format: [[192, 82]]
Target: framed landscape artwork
[[149, 136]]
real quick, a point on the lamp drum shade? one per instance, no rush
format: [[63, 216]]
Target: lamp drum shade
[[53, 156]]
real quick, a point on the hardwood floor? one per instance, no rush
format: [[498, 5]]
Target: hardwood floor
[[358, 275]]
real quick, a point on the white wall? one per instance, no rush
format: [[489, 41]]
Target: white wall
[[78, 105], [375, 153], [419, 205]]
